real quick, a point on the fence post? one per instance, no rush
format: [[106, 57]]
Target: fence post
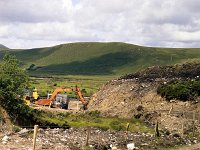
[[88, 136], [35, 135], [126, 133], [182, 130], [193, 124], [157, 134]]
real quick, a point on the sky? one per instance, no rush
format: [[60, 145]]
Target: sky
[[41, 23]]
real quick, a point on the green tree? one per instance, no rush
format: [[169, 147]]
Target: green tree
[[13, 81]]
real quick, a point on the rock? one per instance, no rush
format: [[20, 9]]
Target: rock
[[144, 144], [131, 146], [23, 131], [4, 142]]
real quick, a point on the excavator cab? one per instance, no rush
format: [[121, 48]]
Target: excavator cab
[[61, 101]]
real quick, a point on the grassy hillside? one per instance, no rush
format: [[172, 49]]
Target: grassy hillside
[[100, 58]]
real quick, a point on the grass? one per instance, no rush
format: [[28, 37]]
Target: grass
[[94, 119], [99, 59]]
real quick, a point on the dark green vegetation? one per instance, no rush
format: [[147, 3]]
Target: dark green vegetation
[[182, 90], [111, 59], [13, 81]]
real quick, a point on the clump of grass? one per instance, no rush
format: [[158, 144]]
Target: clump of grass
[[116, 125]]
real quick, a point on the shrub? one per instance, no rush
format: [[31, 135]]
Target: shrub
[[181, 90]]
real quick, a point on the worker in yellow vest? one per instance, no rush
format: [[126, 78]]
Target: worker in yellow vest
[[35, 94]]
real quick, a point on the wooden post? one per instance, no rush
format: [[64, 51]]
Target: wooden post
[[126, 134], [157, 134], [193, 124], [35, 135], [88, 136], [182, 127]]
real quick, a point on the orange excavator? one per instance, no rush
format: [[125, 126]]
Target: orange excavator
[[50, 101]]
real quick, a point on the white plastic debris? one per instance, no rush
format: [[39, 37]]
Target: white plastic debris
[[23, 131], [90, 146], [113, 147], [5, 138], [131, 146]]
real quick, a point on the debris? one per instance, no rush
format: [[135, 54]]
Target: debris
[[24, 130], [131, 146], [5, 138]]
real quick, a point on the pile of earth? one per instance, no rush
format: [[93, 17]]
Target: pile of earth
[[135, 95], [75, 139], [179, 71]]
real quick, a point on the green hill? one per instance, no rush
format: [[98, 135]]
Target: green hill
[[92, 58]]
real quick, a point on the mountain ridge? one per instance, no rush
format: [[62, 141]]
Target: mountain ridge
[[100, 58]]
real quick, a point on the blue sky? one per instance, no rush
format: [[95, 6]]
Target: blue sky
[[40, 23]]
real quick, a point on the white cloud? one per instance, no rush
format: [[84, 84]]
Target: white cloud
[[169, 23], [35, 11]]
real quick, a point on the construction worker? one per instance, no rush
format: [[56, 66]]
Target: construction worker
[[35, 95]]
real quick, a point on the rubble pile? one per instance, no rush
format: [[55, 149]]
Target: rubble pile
[[123, 96], [179, 71], [75, 139]]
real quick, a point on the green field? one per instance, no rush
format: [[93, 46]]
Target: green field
[[89, 84]]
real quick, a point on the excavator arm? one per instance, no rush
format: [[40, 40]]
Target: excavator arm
[[84, 102], [58, 90], [48, 102]]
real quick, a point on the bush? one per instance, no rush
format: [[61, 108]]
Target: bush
[[181, 90]]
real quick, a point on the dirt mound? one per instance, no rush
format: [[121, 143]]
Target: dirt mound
[[180, 71], [124, 96]]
